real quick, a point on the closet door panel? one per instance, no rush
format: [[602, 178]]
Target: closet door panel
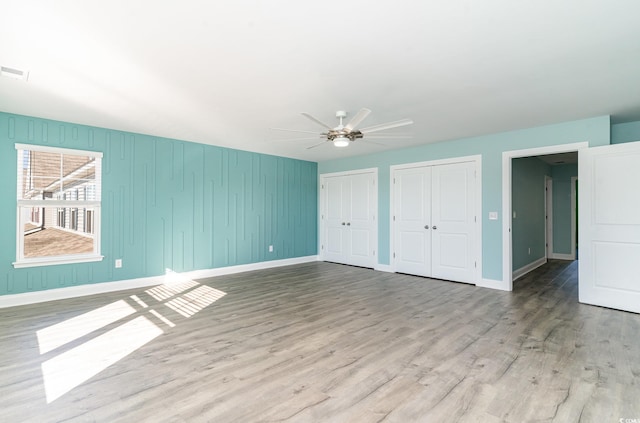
[[412, 220], [361, 222], [335, 219], [453, 221]]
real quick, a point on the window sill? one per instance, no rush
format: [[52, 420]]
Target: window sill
[[52, 261]]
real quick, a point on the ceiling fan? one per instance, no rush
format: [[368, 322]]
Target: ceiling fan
[[343, 135]]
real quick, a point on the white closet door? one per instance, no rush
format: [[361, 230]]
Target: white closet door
[[336, 193], [609, 219], [412, 221], [349, 226], [360, 228], [453, 223]]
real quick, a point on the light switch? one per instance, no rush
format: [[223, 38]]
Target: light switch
[[493, 215]]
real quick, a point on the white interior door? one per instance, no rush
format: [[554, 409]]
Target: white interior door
[[609, 226], [360, 220], [412, 221], [336, 197], [453, 222]]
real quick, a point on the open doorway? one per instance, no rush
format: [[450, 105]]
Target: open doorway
[[542, 204], [562, 217], [563, 245]]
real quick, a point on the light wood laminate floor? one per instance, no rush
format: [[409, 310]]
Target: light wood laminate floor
[[323, 342]]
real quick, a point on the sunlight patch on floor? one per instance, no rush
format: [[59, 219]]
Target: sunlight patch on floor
[[71, 368], [79, 363], [139, 301], [163, 292], [194, 301], [162, 318], [62, 333]]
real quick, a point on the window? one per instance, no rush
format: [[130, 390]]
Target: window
[[61, 217], [74, 219], [88, 224], [58, 205]]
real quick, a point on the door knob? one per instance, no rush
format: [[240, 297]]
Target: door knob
[[426, 226], [348, 223], [435, 227], [343, 223]]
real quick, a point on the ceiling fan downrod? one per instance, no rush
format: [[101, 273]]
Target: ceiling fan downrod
[[340, 135]]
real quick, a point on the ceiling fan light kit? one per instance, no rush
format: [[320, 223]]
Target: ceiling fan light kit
[[341, 141], [343, 135]]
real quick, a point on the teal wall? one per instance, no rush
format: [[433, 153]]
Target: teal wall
[[528, 204], [561, 175], [625, 132], [166, 204], [596, 131]]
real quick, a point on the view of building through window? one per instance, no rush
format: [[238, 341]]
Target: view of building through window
[[58, 197]]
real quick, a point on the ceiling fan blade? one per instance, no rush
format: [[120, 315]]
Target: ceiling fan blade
[[297, 139], [319, 122], [357, 119], [373, 142], [383, 126], [317, 145], [295, 130], [389, 136]]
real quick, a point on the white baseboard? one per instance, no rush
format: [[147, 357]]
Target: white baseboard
[[12, 300], [99, 288], [518, 273], [220, 271], [558, 256], [383, 268], [493, 284]]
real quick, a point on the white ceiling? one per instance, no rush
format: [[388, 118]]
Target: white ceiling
[[223, 73]]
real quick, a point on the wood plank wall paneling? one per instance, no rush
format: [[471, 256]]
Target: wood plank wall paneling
[[167, 204]]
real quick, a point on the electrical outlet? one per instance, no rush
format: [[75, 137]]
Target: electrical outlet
[[118, 263], [271, 248], [529, 250]]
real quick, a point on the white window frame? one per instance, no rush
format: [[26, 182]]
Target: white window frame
[[21, 261]]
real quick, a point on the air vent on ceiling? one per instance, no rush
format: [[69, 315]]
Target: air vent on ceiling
[[14, 73]]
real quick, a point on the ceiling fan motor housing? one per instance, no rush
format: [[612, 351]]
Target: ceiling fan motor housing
[[337, 133]]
